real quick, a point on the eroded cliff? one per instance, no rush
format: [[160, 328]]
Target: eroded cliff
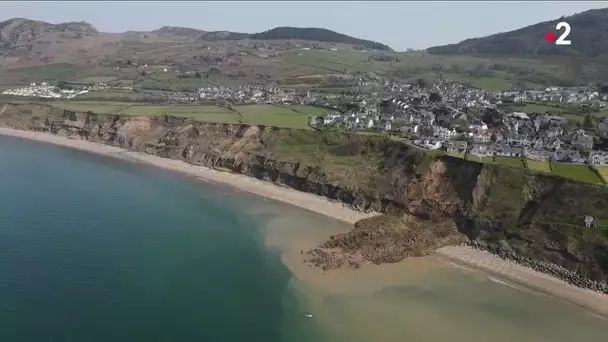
[[536, 217]]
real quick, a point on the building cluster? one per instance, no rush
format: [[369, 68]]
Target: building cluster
[[44, 90], [460, 120], [447, 115], [247, 94]]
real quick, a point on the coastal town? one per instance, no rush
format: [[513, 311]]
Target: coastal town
[[394, 174], [448, 116]]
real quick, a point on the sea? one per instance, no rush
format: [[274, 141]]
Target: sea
[[98, 249]]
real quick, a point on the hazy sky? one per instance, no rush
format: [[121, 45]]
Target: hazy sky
[[399, 24]]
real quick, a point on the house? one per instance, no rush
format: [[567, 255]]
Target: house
[[518, 139], [457, 146], [599, 158], [538, 144], [319, 120], [387, 117], [483, 149], [351, 122], [484, 137], [588, 221], [569, 156], [602, 129], [369, 123], [424, 130], [443, 133], [556, 144], [534, 153], [510, 151], [384, 125], [582, 140], [428, 144]]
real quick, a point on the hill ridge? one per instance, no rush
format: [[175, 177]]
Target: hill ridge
[[20, 30], [589, 36]]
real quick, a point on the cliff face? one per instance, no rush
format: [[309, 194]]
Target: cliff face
[[531, 215]]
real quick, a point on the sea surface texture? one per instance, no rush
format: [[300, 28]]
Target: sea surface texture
[[96, 249]]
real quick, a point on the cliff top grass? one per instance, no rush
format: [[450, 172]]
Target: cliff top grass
[[294, 116], [344, 158], [603, 171], [577, 172], [538, 165]]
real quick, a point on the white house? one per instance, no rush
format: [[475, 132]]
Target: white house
[[599, 158], [444, 133]]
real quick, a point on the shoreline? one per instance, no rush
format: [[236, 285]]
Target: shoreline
[[481, 260], [310, 202], [493, 265]]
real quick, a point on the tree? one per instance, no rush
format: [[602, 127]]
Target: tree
[[197, 74], [588, 122], [456, 68], [421, 83], [434, 97]]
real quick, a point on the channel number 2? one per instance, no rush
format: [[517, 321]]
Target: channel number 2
[[562, 39]]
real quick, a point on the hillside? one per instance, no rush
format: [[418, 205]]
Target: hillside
[[179, 31], [316, 34], [33, 51], [589, 36], [431, 199], [21, 32]]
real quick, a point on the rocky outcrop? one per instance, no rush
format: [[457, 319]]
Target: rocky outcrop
[[385, 239], [21, 31], [433, 200]]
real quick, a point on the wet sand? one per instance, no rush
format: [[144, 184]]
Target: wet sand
[[291, 242]]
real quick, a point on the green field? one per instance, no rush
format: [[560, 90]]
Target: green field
[[102, 95], [92, 106], [479, 159], [490, 83], [510, 161], [256, 114], [269, 115], [603, 170], [203, 113], [577, 172], [539, 108], [538, 165], [455, 155], [308, 110]]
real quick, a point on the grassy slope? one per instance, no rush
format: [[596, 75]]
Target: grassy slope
[[266, 115], [581, 173], [293, 65]]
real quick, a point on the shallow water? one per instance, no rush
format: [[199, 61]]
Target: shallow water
[[426, 299], [96, 249]]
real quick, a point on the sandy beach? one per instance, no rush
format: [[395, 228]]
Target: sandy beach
[[528, 277], [479, 260]]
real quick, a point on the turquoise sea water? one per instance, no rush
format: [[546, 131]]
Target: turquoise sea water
[[94, 249], [97, 249]]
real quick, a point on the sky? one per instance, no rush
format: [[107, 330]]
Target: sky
[[401, 25]]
